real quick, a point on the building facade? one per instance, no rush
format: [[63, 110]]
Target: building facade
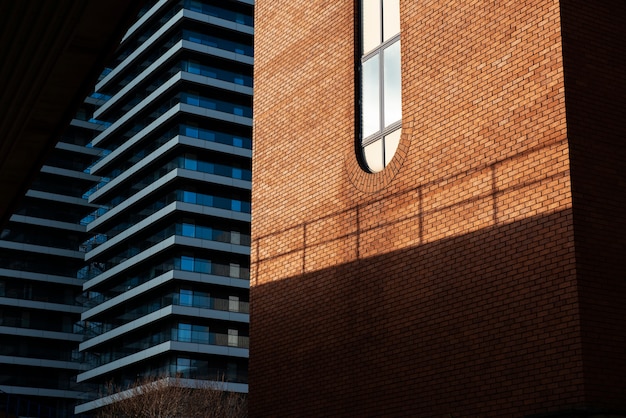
[[129, 256], [168, 263], [476, 267], [41, 258]]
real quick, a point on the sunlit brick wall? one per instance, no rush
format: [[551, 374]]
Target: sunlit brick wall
[[446, 284]]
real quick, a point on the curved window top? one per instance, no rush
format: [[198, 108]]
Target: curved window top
[[381, 95]]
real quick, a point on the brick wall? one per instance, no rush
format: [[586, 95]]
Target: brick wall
[[594, 44], [445, 285]]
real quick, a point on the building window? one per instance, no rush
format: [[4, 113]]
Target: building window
[[381, 98], [233, 303], [183, 367], [186, 297], [233, 338], [184, 333]]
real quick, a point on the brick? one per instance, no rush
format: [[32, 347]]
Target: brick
[[480, 273]]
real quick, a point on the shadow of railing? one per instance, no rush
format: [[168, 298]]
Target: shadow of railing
[[531, 183]]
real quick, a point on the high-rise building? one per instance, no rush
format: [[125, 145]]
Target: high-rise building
[[141, 223], [41, 257], [439, 199], [168, 261]]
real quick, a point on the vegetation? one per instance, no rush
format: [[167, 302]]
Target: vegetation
[[167, 397]]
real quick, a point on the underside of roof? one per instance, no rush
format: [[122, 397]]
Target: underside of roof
[[51, 53]]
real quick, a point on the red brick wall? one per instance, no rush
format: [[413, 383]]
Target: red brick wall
[[446, 284], [594, 44]]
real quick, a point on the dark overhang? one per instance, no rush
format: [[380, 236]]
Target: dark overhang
[[51, 53]]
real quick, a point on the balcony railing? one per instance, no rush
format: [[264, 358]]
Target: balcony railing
[[96, 328], [197, 337]]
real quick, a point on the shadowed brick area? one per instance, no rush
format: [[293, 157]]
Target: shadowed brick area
[[594, 48], [459, 326], [479, 274]]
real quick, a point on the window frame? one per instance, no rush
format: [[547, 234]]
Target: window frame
[[362, 56]]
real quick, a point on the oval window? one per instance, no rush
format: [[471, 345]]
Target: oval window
[[381, 86]]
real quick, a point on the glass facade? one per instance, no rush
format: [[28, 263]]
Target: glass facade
[[40, 293], [202, 367], [135, 235], [199, 295], [167, 263], [140, 218]]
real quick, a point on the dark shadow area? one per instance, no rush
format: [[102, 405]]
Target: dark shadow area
[[483, 324], [594, 49], [50, 58]]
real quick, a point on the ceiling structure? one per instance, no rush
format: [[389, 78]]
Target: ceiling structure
[[51, 53]]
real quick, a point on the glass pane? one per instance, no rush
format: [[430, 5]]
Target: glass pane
[[204, 233], [391, 145], [392, 84], [182, 366], [186, 263], [233, 336], [189, 197], [196, 6], [191, 163], [193, 67], [371, 96], [205, 167], [191, 131], [202, 266], [209, 136], [204, 200], [234, 270], [371, 24], [184, 332], [233, 303], [373, 154], [191, 98], [231, 371], [186, 297], [189, 230], [391, 18]]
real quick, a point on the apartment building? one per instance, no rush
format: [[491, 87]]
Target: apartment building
[[129, 256], [168, 264]]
